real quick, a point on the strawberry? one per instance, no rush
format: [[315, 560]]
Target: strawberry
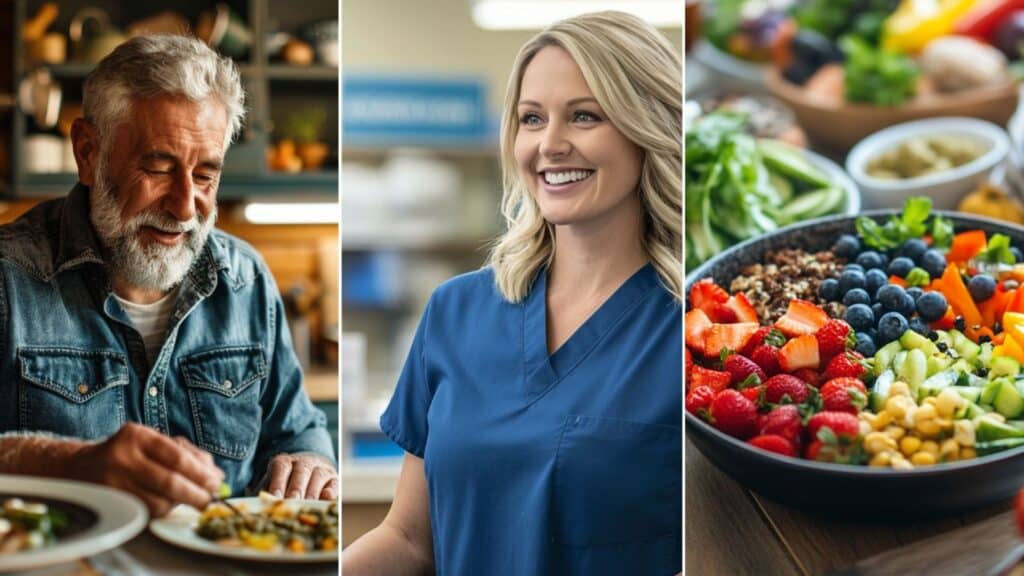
[[809, 376], [1019, 512], [705, 293], [697, 324], [742, 308], [832, 338], [785, 385], [698, 401], [783, 421], [800, 352], [731, 336], [813, 450], [843, 425], [767, 357], [721, 314], [734, 414], [801, 317], [755, 394], [756, 340], [740, 368], [701, 376], [844, 395], [845, 366], [773, 443]]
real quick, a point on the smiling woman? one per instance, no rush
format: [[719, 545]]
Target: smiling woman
[[540, 403]]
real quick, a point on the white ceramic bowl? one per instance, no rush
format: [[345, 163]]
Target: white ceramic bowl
[[945, 188]]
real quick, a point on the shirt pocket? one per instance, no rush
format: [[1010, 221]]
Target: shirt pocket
[[224, 395], [72, 391], [617, 483]]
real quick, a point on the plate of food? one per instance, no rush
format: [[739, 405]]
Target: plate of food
[[45, 522], [874, 361], [264, 529]]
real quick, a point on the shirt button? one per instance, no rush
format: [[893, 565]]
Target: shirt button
[[83, 388], [228, 384], [152, 391]]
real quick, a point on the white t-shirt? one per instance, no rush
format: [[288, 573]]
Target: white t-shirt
[[151, 320]]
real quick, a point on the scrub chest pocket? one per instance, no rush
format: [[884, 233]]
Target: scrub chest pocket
[[71, 391], [616, 482], [224, 393]]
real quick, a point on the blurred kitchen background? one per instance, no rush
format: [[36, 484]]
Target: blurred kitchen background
[[280, 184], [421, 188]]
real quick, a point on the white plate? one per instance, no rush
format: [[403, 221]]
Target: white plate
[[119, 518], [179, 528]]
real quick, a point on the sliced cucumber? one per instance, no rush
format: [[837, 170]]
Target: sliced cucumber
[[812, 204], [783, 186], [938, 362], [913, 340], [884, 356], [915, 371], [1008, 400], [880, 391], [968, 350], [969, 393], [988, 394], [993, 446], [789, 161], [1004, 366], [988, 429], [935, 383]]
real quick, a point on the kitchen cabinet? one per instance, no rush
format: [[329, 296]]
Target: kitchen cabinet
[[277, 94]]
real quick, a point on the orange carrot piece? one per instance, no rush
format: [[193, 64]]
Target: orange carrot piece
[[958, 296], [1017, 302], [966, 245], [992, 309], [898, 281]]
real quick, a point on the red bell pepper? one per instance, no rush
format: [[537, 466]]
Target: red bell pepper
[[984, 17]]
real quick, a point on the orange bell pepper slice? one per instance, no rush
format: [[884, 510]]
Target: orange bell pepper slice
[[898, 281], [993, 308], [966, 245], [958, 297]]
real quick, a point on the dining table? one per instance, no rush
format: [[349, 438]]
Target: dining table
[[731, 530], [146, 555]]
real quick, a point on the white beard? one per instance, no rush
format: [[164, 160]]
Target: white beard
[[149, 266]]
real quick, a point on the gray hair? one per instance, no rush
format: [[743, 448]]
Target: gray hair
[[161, 64]]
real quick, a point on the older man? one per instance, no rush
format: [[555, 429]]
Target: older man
[[140, 347]]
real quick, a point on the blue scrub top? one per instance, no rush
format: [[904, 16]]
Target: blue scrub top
[[536, 464]]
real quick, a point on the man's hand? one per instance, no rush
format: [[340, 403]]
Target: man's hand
[[308, 476], [158, 469]]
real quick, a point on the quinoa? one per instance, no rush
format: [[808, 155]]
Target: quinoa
[[785, 275]]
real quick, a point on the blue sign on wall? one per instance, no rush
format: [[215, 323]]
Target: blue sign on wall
[[393, 110]]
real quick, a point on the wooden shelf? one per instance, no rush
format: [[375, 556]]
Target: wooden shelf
[[302, 73]]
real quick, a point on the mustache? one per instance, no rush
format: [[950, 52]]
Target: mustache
[[166, 223]]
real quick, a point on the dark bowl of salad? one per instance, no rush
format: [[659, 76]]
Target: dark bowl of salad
[[859, 366]]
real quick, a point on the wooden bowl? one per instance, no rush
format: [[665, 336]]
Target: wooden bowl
[[837, 127]]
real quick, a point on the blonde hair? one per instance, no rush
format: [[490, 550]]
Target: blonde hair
[[636, 76]]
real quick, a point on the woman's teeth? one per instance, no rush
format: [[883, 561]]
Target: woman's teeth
[[567, 176]]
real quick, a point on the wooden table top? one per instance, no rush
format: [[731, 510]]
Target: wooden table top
[[733, 531]]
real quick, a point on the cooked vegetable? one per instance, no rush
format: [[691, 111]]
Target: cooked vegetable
[[923, 155], [28, 525], [992, 201], [278, 526], [877, 76], [738, 187]]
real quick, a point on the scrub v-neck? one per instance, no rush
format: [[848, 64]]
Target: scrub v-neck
[[543, 370]]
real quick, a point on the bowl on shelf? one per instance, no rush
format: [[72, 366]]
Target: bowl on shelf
[[837, 127], [730, 71], [946, 187], [840, 489]]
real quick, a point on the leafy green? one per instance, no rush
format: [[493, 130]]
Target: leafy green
[[909, 224], [724, 21], [730, 194], [942, 232], [997, 251], [835, 18], [918, 277], [876, 76]]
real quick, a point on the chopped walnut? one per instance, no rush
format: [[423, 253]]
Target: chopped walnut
[[785, 275]]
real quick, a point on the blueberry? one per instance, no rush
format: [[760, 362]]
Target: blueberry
[[877, 309], [851, 279], [884, 260], [931, 306], [981, 287], [891, 296], [915, 292], [901, 266], [875, 279], [856, 296], [891, 326], [853, 266], [873, 333], [913, 249], [859, 317], [1017, 254], [865, 345], [934, 263], [905, 305], [847, 246], [870, 259], [918, 325], [829, 290]]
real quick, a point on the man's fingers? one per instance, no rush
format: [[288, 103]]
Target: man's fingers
[[157, 504], [302, 469], [320, 477], [173, 456], [195, 450], [170, 484], [279, 470], [330, 491]]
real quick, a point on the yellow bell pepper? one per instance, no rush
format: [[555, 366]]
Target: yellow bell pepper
[[915, 23]]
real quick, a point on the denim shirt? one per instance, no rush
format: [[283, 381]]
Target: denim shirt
[[71, 363]]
